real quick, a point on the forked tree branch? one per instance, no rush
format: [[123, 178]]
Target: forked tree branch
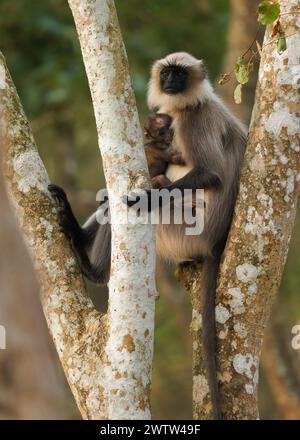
[[107, 359], [70, 314]]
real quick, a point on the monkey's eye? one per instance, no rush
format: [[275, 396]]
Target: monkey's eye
[[164, 74]]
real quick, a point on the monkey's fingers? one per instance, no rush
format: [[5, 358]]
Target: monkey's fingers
[[144, 200], [131, 199], [59, 195]]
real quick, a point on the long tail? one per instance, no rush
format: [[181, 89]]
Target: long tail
[[210, 273]]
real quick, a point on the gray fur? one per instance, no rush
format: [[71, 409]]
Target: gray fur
[[208, 136], [212, 143]]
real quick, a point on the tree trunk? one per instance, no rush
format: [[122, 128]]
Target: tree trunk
[[258, 242], [30, 384], [132, 290], [107, 359]]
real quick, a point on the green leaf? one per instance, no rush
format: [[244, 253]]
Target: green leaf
[[241, 73], [281, 45], [238, 94], [268, 12]]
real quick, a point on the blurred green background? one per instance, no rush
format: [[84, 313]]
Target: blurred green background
[[40, 44]]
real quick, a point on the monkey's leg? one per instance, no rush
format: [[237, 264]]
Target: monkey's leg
[[95, 265], [82, 239]]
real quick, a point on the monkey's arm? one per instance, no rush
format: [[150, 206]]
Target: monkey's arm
[[84, 239], [197, 178]]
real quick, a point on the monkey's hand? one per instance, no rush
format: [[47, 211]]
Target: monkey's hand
[[66, 218], [197, 178], [160, 181], [139, 198]]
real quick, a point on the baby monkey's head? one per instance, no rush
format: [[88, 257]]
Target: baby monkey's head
[[158, 128]]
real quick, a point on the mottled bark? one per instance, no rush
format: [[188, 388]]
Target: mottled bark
[[77, 329], [242, 31], [31, 387], [132, 290], [258, 243], [107, 359]]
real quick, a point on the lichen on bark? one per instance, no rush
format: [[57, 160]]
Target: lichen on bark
[[132, 291], [69, 312], [258, 243], [107, 359]]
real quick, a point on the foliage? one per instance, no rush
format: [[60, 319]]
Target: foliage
[[268, 12], [43, 48], [238, 94]]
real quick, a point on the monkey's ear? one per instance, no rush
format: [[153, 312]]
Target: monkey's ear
[[202, 68]]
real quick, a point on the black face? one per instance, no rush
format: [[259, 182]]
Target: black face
[[173, 79]]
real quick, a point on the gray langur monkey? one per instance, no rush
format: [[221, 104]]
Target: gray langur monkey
[[212, 145]]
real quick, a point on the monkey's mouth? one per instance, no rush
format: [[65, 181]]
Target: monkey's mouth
[[170, 91]]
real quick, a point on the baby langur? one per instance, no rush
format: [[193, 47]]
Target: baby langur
[[212, 144], [158, 151]]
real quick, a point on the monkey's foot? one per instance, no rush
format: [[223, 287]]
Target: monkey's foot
[[58, 194], [66, 218]]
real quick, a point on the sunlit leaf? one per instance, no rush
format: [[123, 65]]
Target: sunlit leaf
[[281, 45], [238, 94], [241, 73]]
